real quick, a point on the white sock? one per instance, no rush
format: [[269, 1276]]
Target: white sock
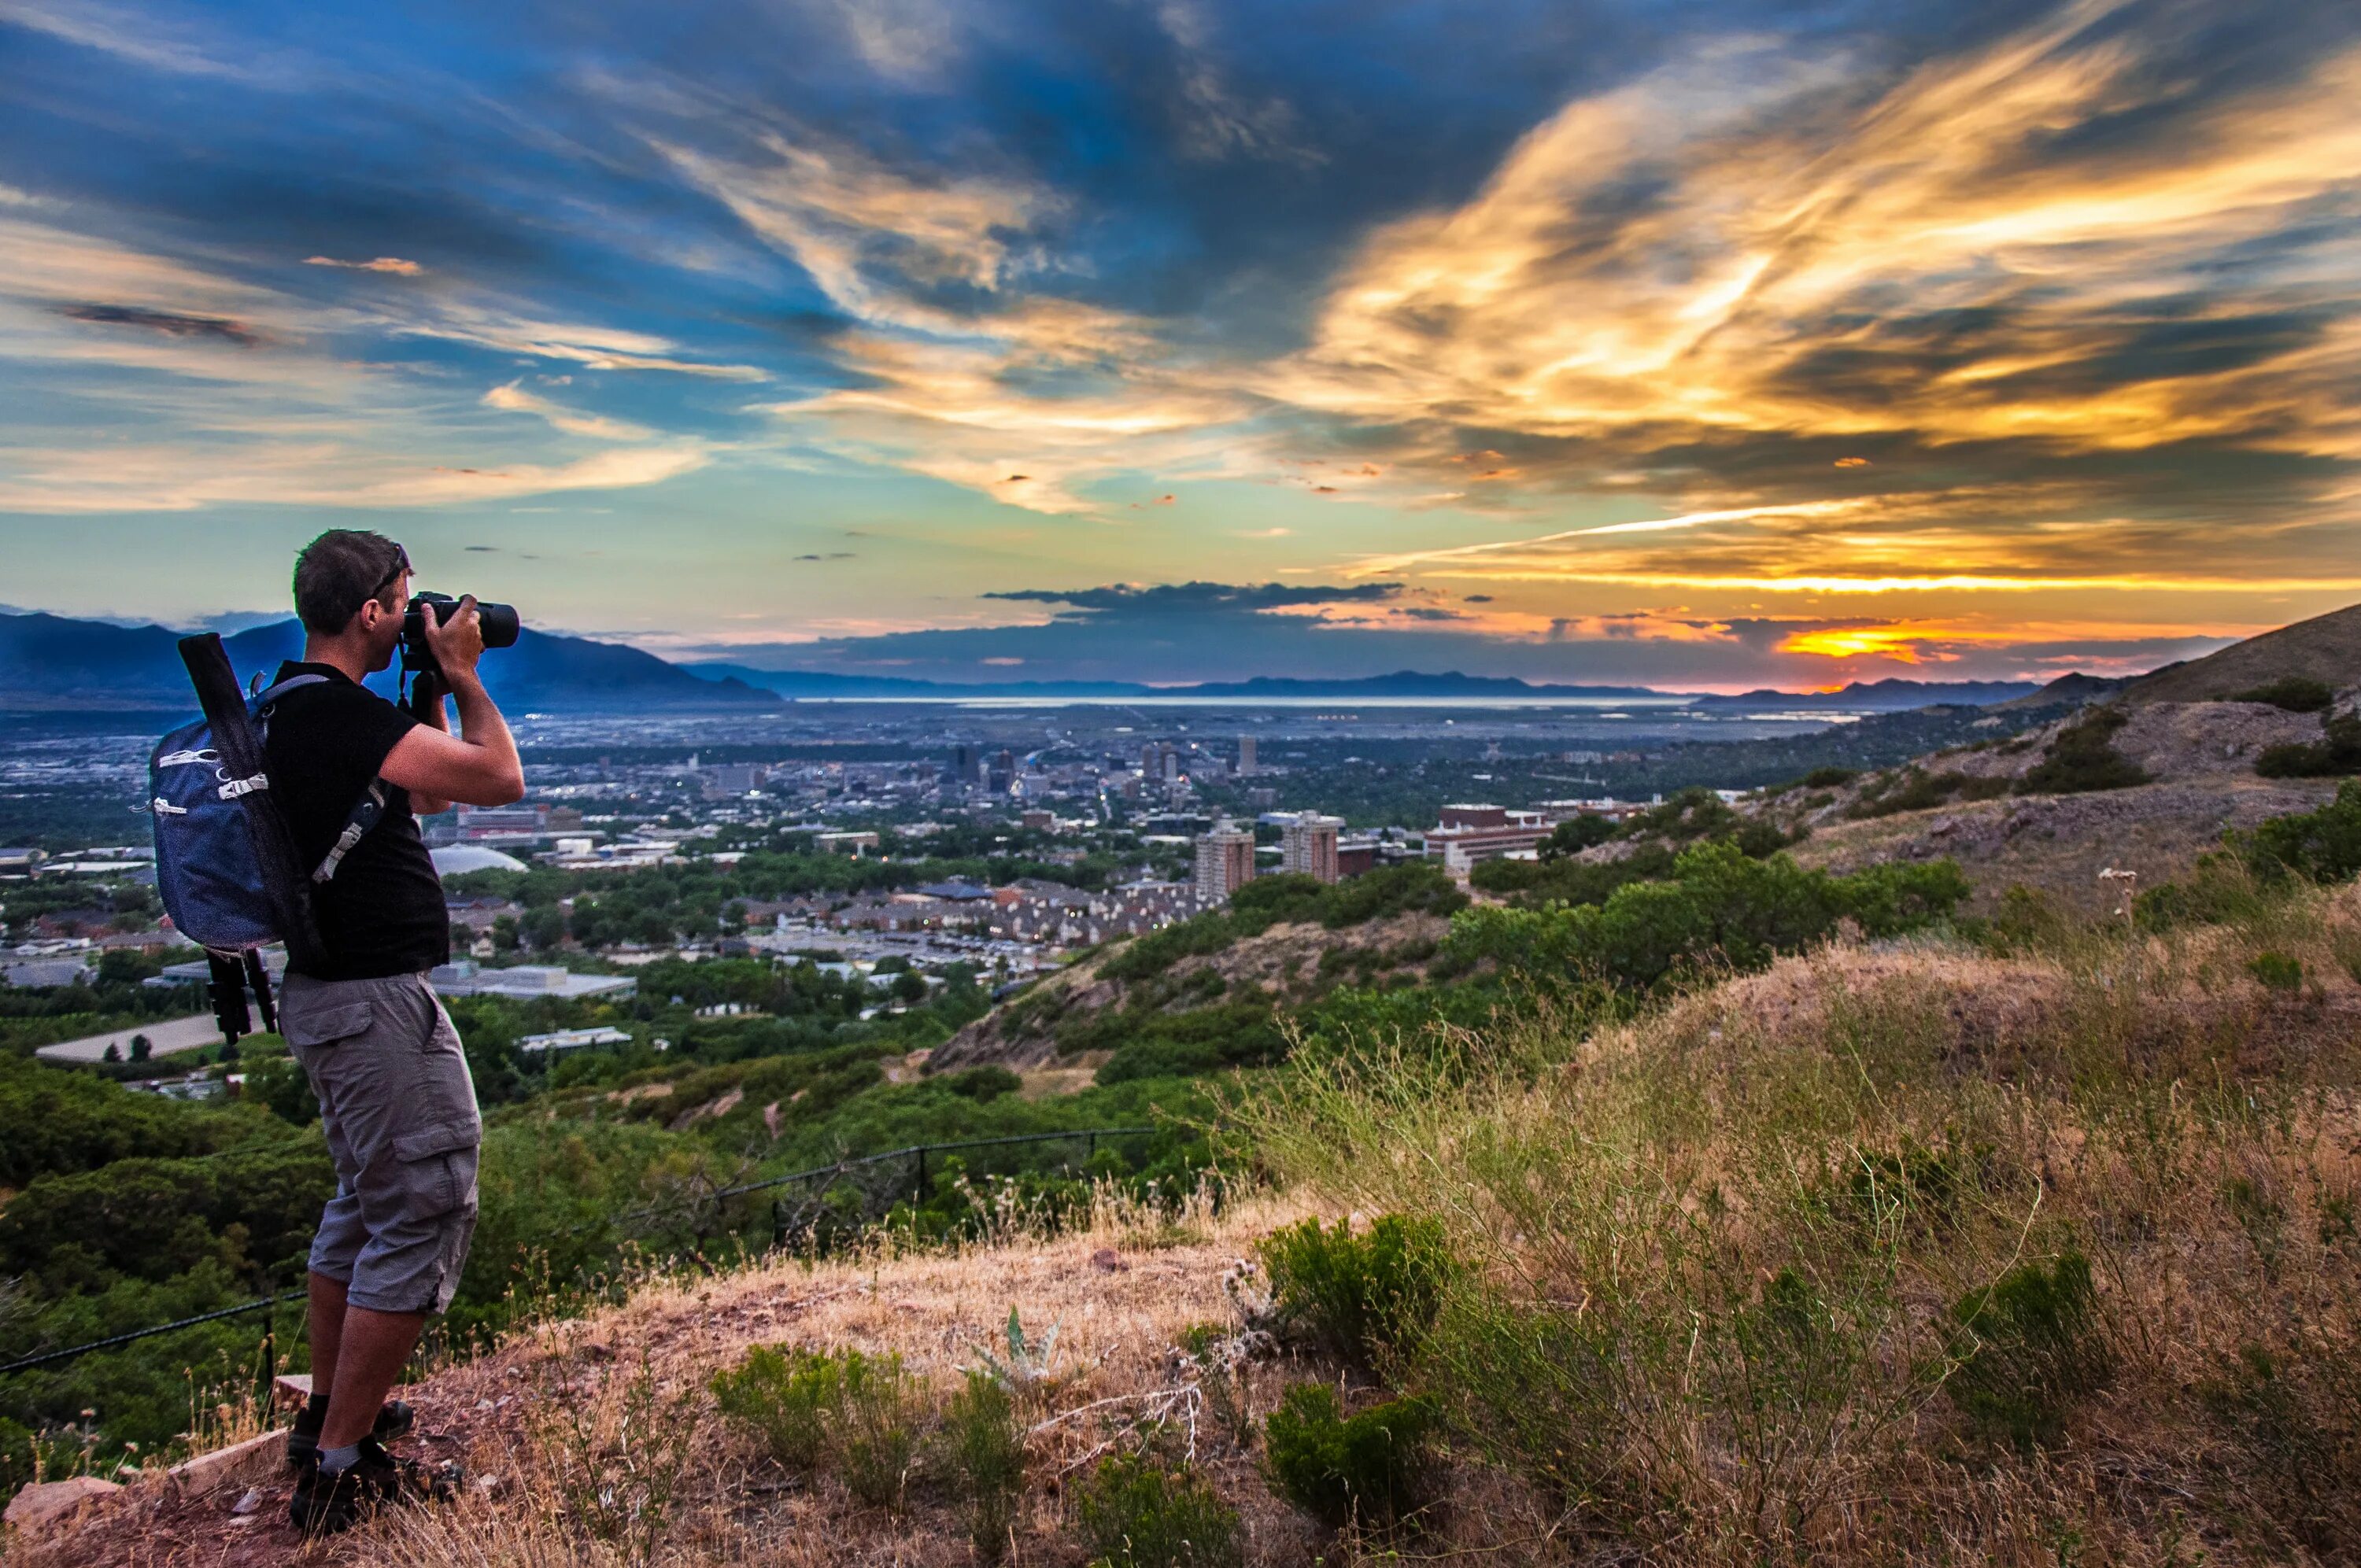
[[332, 1459]]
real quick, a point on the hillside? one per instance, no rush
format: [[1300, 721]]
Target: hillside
[[2197, 760], [2326, 648], [1908, 1252], [50, 663]]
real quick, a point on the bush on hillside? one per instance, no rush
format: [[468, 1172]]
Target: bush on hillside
[[1368, 1468], [2297, 693], [1145, 1511], [2322, 846], [2083, 757], [2337, 752], [1576, 833], [985, 1446], [1362, 1296], [1819, 778], [1719, 906], [2029, 1346], [1915, 789], [785, 1397]]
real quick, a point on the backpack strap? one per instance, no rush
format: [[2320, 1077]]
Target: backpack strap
[[363, 817], [366, 811], [273, 692]]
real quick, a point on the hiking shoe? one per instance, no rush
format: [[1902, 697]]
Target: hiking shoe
[[393, 1419], [325, 1505]]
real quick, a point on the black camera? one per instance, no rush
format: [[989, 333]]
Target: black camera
[[499, 620]]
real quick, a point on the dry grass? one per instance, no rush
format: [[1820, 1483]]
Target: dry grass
[[1630, 1212]]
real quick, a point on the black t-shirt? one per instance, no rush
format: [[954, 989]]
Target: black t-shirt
[[382, 913]]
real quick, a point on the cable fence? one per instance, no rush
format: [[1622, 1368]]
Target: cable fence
[[876, 1181]]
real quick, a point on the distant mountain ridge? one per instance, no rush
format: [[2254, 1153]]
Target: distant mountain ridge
[[1879, 695], [50, 662], [1892, 694]]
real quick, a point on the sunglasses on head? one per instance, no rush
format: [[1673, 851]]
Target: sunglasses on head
[[400, 565]]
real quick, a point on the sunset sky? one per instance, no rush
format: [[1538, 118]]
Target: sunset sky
[[1709, 345]]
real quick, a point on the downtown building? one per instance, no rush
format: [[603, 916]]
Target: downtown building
[[1307, 845], [1470, 833], [1225, 862]]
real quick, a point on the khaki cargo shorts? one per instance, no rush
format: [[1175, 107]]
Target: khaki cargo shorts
[[403, 1130]]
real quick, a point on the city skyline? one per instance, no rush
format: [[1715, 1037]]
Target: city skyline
[[1753, 345]]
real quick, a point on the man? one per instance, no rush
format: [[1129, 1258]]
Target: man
[[396, 1101]]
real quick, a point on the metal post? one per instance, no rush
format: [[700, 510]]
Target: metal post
[[1092, 1152], [924, 1192]]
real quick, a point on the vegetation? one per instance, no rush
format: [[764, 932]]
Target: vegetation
[[2028, 1348], [2337, 752], [1915, 789], [1143, 1509], [1717, 910], [784, 1395], [2082, 757], [986, 1449], [1656, 835], [2296, 694], [1369, 1468], [1269, 901], [1804, 1268], [1360, 1296]]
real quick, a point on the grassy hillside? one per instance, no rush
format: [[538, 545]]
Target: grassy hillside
[[2028, 1243]]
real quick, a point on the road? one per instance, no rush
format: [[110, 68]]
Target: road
[[165, 1037]]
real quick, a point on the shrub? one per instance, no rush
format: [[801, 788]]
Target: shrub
[[1576, 833], [2277, 971], [1370, 1467], [986, 1449], [787, 1396], [2297, 693], [2028, 1348], [872, 1426], [1360, 1296], [1392, 890], [2083, 757], [2338, 752], [1719, 905], [2322, 846], [1139, 1511]]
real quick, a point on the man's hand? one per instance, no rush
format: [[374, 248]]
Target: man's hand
[[479, 766], [457, 643]]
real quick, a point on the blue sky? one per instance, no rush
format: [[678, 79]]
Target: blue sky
[[1712, 344]]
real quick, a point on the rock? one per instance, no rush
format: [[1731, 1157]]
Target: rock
[[1106, 1260], [247, 1504], [291, 1387], [245, 1463], [53, 1502]]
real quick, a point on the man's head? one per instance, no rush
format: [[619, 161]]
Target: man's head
[[352, 586]]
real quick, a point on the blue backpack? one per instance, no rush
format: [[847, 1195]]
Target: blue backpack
[[226, 863]]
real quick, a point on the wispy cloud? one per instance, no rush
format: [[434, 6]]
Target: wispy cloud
[[393, 264]]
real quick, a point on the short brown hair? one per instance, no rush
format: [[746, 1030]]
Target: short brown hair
[[341, 571]]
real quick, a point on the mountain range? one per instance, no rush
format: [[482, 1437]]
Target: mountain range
[[48, 663], [51, 663]]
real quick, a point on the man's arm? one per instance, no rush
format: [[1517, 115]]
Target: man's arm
[[479, 766]]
